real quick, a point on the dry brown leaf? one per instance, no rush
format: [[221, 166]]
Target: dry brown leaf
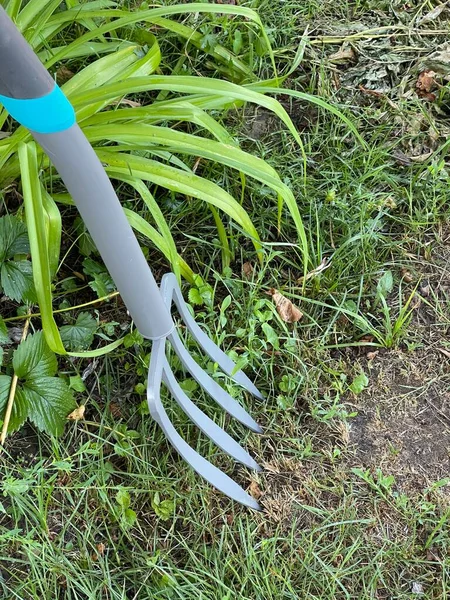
[[325, 263], [101, 548], [372, 355], [255, 490], [343, 55], [77, 414], [127, 102], [425, 83], [407, 275], [247, 269], [287, 311]]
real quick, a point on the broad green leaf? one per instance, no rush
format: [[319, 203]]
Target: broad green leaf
[[385, 284], [19, 408], [4, 338], [76, 383], [13, 237], [5, 384], [359, 383], [44, 231], [33, 358], [49, 401], [195, 297], [123, 498], [271, 335], [80, 335], [17, 280], [102, 285]]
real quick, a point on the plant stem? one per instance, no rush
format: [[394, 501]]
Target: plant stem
[[63, 310], [12, 390]]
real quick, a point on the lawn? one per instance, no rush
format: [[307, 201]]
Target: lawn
[[355, 449]]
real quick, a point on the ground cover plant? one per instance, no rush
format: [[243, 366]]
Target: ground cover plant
[[309, 230]]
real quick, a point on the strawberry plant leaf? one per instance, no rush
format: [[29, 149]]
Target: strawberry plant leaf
[[4, 338], [13, 237], [17, 280], [49, 401], [19, 409], [33, 358], [80, 335]]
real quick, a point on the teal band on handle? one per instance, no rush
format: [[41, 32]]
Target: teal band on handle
[[49, 114]]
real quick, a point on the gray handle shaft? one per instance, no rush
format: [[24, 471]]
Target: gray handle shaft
[[88, 184], [22, 75]]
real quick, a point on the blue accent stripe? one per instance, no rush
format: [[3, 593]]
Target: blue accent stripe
[[48, 114]]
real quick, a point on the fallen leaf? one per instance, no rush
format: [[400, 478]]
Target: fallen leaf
[[78, 413], [255, 490], [325, 263], [343, 55], [101, 548], [247, 269], [287, 311], [115, 410], [372, 355], [425, 83], [433, 14], [407, 276]]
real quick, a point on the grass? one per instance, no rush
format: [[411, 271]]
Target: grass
[[355, 486]]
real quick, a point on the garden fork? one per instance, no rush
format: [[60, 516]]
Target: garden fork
[[32, 98]]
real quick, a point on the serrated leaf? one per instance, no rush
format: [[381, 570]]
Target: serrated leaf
[[102, 284], [80, 335], [133, 338], [4, 338], [49, 401], [19, 409], [17, 280], [33, 358], [194, 297], [13, 237], [92, 267]]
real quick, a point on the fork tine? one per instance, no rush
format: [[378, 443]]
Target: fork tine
[[170, 291], [204, 468], [210, 386], [205, 424]]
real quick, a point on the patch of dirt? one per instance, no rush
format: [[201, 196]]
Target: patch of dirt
[[403, 422]]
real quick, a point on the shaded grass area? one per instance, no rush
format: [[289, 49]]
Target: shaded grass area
[[355, 494]]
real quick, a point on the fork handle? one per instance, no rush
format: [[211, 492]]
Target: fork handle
[[30, 95]]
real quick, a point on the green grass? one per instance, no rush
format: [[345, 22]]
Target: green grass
[[350, 510]]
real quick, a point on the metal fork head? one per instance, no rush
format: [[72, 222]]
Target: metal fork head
[[160, 372]]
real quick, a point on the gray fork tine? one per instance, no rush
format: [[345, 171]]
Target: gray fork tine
[[170, 291], [205, 424], [217, 393], [208, 471]]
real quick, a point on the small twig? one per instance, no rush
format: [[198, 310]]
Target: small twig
[[12, 390]]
